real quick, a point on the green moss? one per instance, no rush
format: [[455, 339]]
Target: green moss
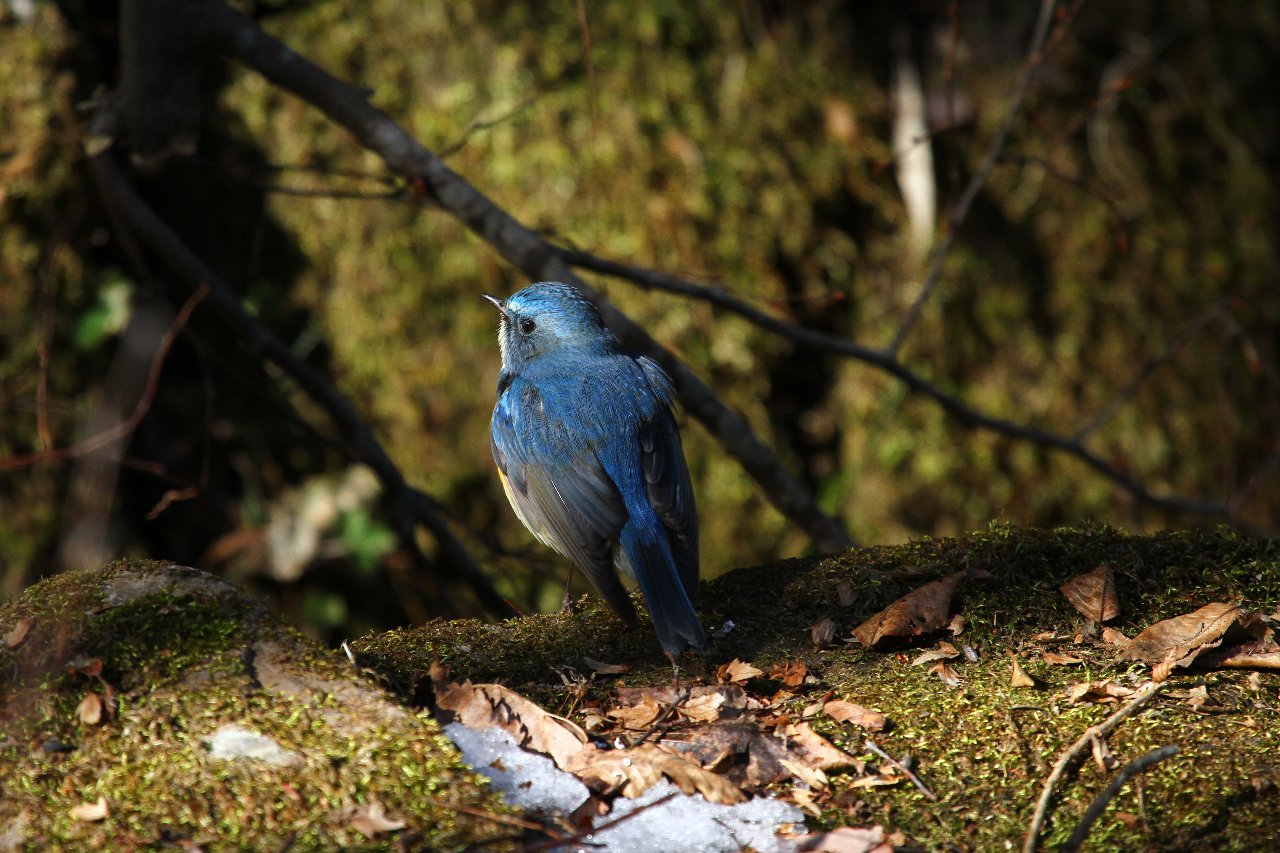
[[184, 654]]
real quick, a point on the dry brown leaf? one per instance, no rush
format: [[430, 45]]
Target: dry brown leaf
[[615, 770], [1055, 659], [1180, 640], [480, 706], [703, 709], [91, 812], [90, 667], [845, 839], [815, 750], [876, 780], [791, 673], [1100, 691], [844, 594], [741, 751], [1162, 670], [848, 712], [1094, 594], [15, 635], [634, 771], [823, 632], [737, 671], [636, 717], [1102, 755], [811, 776], [1112, 637], [1259, 654], [729, 700], [371, 820], [806, 799], [932, 655], [949, 676], [601, 668], [920, 611], [1018, 677], [1198, 697], [957, 625], [89, 711]]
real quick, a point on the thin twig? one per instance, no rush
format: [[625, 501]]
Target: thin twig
[[498, 817], [1076, 750], [238, 37], [409, 506], [129, 424], [901, 768], [578, 837], [1179, 340], [836, 345], [487, 124], [1032, 63], [1099, 804]]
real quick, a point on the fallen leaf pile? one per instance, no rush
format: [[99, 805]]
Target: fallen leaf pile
[[721, 741], [752, 731], [1218, 635], [1237, 638]]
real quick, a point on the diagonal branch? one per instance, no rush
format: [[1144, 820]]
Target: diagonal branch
[[126, 427], [1139, 698], [236, 36], [889, 363], [1034, 57], [409, 505], [1139, 765]]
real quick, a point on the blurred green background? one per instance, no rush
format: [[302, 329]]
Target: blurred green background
[[1128, 233]]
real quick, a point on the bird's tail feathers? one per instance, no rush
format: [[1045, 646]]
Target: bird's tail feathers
[[650, 561]]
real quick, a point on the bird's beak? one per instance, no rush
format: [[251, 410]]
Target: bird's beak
[[500, 304]]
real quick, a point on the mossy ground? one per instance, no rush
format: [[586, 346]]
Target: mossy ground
[[185, 654], [984, 747]]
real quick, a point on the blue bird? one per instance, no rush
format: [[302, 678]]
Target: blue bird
[[586, 445]]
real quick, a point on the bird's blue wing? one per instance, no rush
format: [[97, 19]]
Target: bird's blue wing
[[562, 495], [666, 477]]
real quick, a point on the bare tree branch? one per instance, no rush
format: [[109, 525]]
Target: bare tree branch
[[825, 342], [979, 179], [409, 505], [127, 426], [1179, 340], [236, 36]]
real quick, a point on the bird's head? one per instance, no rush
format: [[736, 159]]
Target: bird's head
[[548, 317]]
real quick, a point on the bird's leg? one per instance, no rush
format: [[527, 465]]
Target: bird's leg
[[566, 601]]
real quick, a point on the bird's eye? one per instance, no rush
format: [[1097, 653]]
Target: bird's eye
[[527, 326]]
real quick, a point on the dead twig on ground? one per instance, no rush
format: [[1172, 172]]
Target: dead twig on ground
[[1077, 749], [1133, 768], [901, 768]]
